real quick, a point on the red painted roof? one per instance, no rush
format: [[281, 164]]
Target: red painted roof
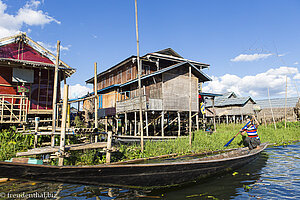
[[25, 53]]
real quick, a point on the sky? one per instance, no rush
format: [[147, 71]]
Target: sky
[[251, 45]]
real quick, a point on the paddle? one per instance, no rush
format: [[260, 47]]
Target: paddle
[[227, 144]]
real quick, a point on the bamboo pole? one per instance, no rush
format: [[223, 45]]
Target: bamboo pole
[[139, 78], [190, 106], [96, 96], [63, 126], [54, 104], [285, 102], [271, 109]]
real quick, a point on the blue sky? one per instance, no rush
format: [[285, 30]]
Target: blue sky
[[251, 45]]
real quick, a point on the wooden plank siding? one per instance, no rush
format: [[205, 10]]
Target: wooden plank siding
[[40, 91]]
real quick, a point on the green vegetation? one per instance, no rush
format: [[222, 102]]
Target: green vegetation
[[203, 141], [12, 142]]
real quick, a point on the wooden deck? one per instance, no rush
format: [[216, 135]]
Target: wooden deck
[[73, 147]]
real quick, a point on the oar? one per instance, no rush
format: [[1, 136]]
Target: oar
[[226, 145]]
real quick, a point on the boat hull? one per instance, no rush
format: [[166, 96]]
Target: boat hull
[[129, 175]]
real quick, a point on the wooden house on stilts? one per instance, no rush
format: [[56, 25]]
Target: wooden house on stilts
[[27, 79], [168, 80]]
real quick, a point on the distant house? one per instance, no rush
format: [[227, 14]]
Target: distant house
[[230, 108], [278, 106], [27, 79]]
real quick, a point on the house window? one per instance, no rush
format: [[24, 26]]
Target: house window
[[111, 79], [146, 69], [128, 73], [23, 75], [119, 77], [103, 83]]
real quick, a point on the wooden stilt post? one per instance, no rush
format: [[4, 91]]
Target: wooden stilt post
[[108, 148], [213, 104], [117, 124], [146, 118], [162, 123], [135, 130], [106, 124], [178, 114], [190, 106], [54, 105], [63, 126], [154, 127], [36, 129], [130, 127], [197, 121], [126, 125], [68, 116]]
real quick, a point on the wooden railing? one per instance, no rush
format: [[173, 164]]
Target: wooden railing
[[13, 108]]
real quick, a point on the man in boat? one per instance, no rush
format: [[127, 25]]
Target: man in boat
[[252, 141]]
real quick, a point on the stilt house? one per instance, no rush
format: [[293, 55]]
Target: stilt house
[[27, 79], [166, 79], [230, 108], [279, 106]]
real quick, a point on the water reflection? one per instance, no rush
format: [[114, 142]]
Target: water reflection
[[274, 174]]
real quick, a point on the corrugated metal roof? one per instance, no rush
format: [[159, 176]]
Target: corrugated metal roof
[[224, 101], [278, 102]]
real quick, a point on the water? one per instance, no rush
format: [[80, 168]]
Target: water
[[274, 175]]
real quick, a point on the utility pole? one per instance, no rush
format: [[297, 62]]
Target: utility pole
[[139, 78]]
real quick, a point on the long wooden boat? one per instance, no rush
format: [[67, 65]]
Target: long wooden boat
[[165, 173]]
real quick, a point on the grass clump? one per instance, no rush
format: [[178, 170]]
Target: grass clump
[[11, 142]]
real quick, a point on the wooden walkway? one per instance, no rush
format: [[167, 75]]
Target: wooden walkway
[[73, 147]]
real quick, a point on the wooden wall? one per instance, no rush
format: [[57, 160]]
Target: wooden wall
[[124, 74], [176, 90], [265, 115], [40, 91], [247, 109]]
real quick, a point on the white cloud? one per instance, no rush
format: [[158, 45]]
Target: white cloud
[[249, 57], [27, 15], [296, 63], [76, 91], [257, 85], [53, 47], [297, 76]]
